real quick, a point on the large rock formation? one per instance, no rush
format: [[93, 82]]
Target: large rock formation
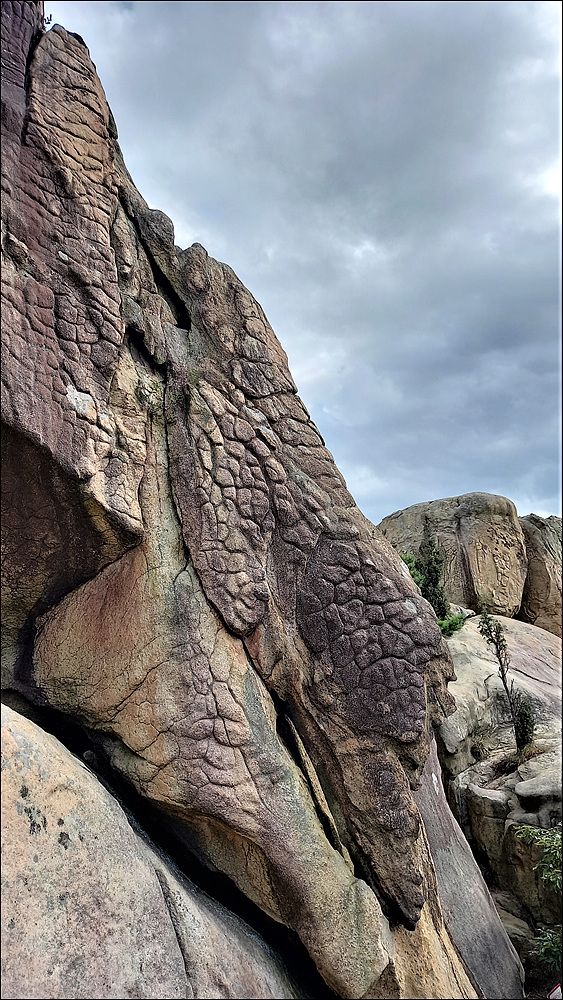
[[89, 909], [482, 713], [541, 601], [495, 792], [186, 573], [482, 542]]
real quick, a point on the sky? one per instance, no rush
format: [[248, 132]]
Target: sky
[[384, 178]]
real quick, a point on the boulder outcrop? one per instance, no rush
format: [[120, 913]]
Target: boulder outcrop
[[496, 792], [90, 909], [482, 541], [188, 578], [481, 721], [541, 601]]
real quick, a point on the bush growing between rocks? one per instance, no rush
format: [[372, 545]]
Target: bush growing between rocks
[[549, 865], [426, 571], [451, 624], [430, 563], [547, 945], [521, 708], [524, 721], [410, 562], [547, 948]]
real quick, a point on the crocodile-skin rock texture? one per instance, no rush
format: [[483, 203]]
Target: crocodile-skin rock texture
[[247, 649]]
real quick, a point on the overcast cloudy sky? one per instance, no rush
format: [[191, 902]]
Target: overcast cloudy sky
[[383, 176]]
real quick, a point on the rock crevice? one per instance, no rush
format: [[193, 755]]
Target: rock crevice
[[225, 570]]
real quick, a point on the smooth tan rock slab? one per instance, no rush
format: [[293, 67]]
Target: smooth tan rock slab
[[484, 947], [481, 703]]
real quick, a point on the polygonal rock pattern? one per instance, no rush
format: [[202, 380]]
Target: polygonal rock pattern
[[482, 541], [248, 651], [541, 601]]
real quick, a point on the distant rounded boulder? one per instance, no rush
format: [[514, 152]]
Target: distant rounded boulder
[[483, 544], [541, 601]]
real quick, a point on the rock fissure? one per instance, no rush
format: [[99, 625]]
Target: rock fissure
[[202, 565], [92, 747], [170, 906], [291, 739]]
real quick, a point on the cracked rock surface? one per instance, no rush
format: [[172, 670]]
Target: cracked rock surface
[[185, 572]]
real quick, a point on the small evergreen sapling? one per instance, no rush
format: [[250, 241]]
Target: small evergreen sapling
[[451, 624], [430, 564], [426, 570], [521, 708]]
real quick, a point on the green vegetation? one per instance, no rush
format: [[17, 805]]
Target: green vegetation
[[524, 721], [426, 570], [521, 708], [430, 564], [410, 562], [547, 948], [451, 624], [549, 865], [547, 945]]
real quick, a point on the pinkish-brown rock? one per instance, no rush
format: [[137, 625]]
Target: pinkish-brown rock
[[247, 650]]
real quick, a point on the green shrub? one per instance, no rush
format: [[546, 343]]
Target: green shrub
[[547, 944], [410, 562], [547, 948], [549, 865], [430, 563], [521, 708], [426, 571], [524, 720], [451, 624]]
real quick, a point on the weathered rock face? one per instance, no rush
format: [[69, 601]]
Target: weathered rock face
[[493, 792], [541, 602], [491, 959], [481, 719], [483, 544], [65, 472], [495, 801], [90, 909], [202, 592]]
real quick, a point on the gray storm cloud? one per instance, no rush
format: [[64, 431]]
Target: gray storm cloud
[[383, 177]]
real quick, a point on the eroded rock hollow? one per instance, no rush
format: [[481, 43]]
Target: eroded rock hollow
[[185, 572]]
